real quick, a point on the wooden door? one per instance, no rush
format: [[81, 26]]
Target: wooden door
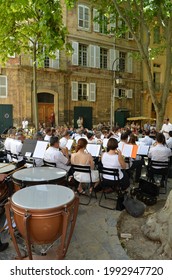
[[44, 112]]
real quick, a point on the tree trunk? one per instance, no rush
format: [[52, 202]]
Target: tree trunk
[[158, 227], [34, 92]]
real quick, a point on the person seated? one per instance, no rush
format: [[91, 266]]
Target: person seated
[[64, 139], [159, 152], [113, 159], [136, 163], [3, 246], [55, 155], [48, 134], [147, 140], [169, 140], [16, 147], [81, 157]]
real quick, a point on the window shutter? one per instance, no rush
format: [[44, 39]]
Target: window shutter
[[96, 26], [116, 92], [92, 57], [92, 92], [54, 63], [129, 93], [97, 57], [3, 86], [114, 54], [129, 63], [74, 91], [75, 53]]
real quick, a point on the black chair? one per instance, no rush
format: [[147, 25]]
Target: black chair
[[48, 163], [159, 169], [85, 169], [110, 188]]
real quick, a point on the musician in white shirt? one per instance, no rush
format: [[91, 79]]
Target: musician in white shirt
[[54, 154], [167, 126]]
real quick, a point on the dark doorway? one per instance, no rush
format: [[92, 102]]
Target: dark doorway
[[45, 107], [86, 113], [121, 116], [6, 117]]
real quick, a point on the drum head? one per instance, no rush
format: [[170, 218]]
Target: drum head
[[43, 197]]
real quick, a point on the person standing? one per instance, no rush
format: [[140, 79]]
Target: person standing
[[80, 122], [25, 123], [166, 127]]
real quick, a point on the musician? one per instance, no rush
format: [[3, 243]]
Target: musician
[[3, 246], [159, 152], [113, 159], [16, 147], [166, 127], [81, 157], [54, 154]]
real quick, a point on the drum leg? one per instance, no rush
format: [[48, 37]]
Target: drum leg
[[27, 239], [11, 230], [71, 215]]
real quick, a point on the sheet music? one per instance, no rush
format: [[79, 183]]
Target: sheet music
[[40, 149], [143, 150], [69, 144], [127, 150], [94, 149], [105, 140]]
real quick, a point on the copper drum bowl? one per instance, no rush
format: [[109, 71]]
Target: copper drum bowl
[[39, 211]]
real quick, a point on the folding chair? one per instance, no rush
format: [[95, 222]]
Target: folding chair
[[48, 163], [159, 168], [84, 169], [108, 191]]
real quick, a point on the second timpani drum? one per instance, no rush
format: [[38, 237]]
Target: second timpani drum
[[45, 204], [6, 167], [39, 175]]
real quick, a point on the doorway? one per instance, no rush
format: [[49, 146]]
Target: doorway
[[86, 113], [6, 117], [45, 107]]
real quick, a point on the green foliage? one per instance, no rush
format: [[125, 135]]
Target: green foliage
[[25, 24]]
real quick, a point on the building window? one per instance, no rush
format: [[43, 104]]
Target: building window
[[83, 17], [156, 35], [82, 55], [46, 62], [3, 86], [82, 91], [103, 24], [122, 61], [121, 93], [103, 58]]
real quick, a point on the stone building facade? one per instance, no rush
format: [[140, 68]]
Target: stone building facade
[[100, 81]]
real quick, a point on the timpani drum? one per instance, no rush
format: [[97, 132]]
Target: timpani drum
[[6, 167], [4, 188], [42, 214], [38, 175]]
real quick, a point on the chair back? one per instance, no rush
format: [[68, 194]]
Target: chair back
[[159, 164], [82, 169], [109, 171], [48, 163]]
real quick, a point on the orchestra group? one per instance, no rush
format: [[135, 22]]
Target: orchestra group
[[111, 152]]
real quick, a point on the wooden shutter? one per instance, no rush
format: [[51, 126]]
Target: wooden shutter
[[92, 92], [92, 55], [75, 53], [54, 63], [129, 63], [129, 93], [96, 26], [116, 92], [74, 94], [114, 54]]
